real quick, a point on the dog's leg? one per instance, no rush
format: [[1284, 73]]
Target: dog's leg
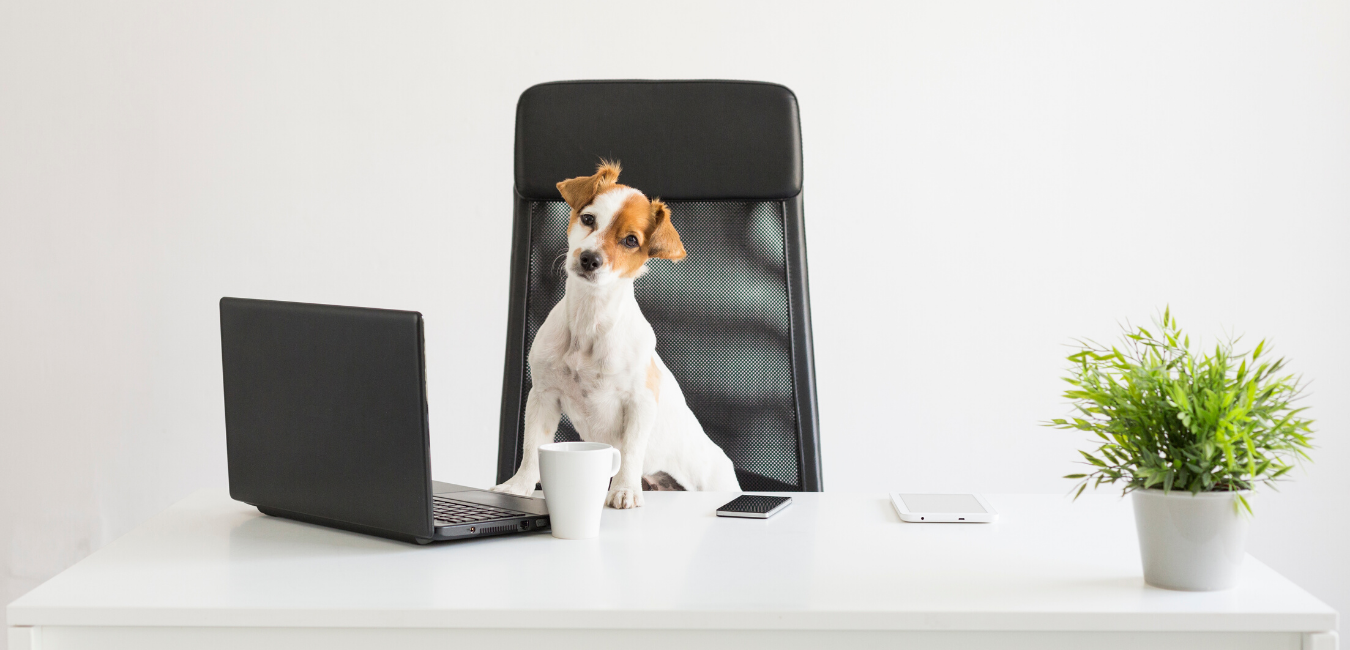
[[542, 414], [625, 491]]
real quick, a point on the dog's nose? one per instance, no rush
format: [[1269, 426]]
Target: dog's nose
[[590, 261]]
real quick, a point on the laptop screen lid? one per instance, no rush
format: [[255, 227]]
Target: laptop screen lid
[[326, 413]]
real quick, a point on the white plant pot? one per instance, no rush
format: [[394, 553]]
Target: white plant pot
[[1191, 542]]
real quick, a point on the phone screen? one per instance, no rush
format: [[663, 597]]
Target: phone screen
[[941, 503]]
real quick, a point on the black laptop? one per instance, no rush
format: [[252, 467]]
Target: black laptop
[[326, 422]]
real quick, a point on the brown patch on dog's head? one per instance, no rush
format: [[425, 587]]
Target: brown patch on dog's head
[[580, 191], [640, 230], [625, 240]]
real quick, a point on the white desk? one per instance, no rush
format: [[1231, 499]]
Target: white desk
[[833, 570]]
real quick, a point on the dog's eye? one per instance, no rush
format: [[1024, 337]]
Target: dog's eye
[[588, 220], [630, 241]]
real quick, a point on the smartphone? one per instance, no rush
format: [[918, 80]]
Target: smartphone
[[754, 506], [944, 508]]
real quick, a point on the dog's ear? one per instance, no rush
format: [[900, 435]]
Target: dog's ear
[[663, 241], [580, 191]]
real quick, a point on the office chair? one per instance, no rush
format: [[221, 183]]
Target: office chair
[[733, 319]]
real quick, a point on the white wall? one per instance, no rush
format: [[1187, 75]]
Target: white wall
[[985, 180]]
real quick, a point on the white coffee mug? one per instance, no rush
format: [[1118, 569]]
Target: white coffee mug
[[575, 476]]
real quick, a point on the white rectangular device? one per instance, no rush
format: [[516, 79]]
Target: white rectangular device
[[943, 508]]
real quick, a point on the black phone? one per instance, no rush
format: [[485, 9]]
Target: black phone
[[754, 506]]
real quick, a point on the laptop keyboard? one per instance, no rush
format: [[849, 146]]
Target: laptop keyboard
[[449, 511]]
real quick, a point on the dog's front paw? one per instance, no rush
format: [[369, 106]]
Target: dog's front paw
[[624, 497], [518, 488]]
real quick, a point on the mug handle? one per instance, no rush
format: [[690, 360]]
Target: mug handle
[[618, 461]]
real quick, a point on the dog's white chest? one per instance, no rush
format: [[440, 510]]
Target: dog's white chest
[[594, 367], [586, 377], [594, 389]]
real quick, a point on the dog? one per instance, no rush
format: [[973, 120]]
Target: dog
[[595, 359]]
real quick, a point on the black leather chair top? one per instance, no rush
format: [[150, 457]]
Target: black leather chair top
[[694, 140]]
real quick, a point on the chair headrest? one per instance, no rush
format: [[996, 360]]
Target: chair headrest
[[681, 140]]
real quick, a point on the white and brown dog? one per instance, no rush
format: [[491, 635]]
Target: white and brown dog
[[595, 359]]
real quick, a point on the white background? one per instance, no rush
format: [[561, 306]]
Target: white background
[[984, 181]]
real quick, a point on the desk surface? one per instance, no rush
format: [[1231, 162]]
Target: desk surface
[[830, 561]]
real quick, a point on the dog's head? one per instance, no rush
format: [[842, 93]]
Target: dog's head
[[614, 228]]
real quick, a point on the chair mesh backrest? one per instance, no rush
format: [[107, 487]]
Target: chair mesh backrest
[[722, 320]]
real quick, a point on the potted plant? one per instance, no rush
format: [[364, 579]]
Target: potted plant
[[1190, 434]]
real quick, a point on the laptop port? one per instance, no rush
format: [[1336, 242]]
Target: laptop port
[[524, 525]]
